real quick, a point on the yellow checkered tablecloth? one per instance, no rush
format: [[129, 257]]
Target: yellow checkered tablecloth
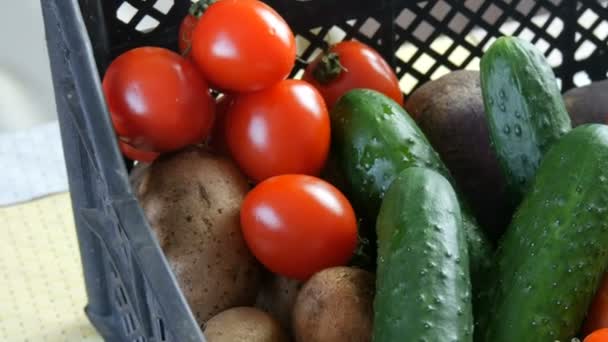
[[42, 292]]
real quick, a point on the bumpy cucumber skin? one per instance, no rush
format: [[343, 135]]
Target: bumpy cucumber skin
[[525, 110], [423, 290], [373, 139], [550, 261]]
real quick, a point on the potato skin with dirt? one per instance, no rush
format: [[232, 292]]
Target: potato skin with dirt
[[244, 324], [335, 304], [277, 296], [451, 114], [192, 201], [588, 104]]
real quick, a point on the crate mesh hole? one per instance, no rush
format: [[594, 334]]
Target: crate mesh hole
[[440, 10], [492, 14], [407, 83], [601, 31], [527, 34], [405, 18], [314, 54], [473, 64], [556, 27], [441, 71], [478, 34], [423, 63], [509, 27], [316, 30], [299, 74], [473, 5], [302, 44], [370, 27], [164, 6], [405, 52], [540, 19], [489, 43], [585, 50], [126, 12], [524, 7], [458, 23], [423, 31], [336, 34], [581, 78], [441, 44], [542, 45], [587, 18], [459, 55], [555, 58], [147, 24]]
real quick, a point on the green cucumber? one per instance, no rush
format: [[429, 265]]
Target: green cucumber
[[373, 139], [525, 110], [423, 289], [550, 260]]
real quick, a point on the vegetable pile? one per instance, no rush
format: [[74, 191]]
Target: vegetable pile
[[321, 209]]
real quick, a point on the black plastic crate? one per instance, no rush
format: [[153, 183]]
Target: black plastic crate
[[132, 293]]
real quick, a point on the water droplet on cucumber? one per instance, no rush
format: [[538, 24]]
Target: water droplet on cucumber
[[506, 130], [502, 94], [517, 130]]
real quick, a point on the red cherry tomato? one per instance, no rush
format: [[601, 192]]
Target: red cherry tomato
[[243, 45], [598, 336], [279, 130], [135, 154], [597, 316], [218, 135], [297, 225], [361, 67], [187, 26], [185, 34], [158, 100]]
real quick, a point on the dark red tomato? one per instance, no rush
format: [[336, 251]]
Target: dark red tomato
[[188, 24], [598, 336], [135, 154], [297, 225], [279, 130], [597, 316], [185, 34], [243, 45], [158, 100], [218, 135], [359, 66]]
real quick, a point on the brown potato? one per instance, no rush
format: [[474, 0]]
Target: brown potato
[[277, 296], [192, 201], [588, 104], [244, 324], [451, 114], [336, 304]]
